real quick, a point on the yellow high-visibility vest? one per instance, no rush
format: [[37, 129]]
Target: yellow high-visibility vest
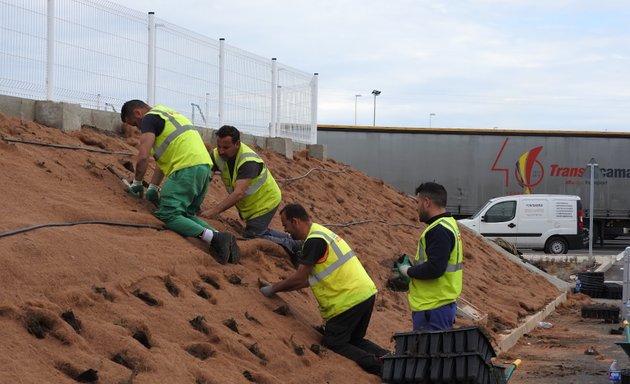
[[262, 194], [434, 293], [338, 280], [179, 145]]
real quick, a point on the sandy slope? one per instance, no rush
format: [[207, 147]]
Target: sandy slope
[[98, 272]]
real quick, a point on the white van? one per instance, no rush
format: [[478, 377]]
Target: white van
[[552, 223]]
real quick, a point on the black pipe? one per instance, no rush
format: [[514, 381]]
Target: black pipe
[[10, 140], [26, 229]]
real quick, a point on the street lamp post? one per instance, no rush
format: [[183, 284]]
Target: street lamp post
[[356, 97], [430, 116], [375, 92], [592, 164]]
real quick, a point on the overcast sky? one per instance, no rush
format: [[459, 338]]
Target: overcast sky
[[510, 64]]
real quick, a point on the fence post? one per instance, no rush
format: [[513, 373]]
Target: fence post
[[626, 285], [274, 97], [221, 82], [314, 91], [208, 107], [151, 61], [50, 50]]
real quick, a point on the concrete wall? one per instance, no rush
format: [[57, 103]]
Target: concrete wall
[[17, 107], [71, 117]]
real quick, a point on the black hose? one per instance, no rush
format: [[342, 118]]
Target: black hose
[[26, 229], [309, 172], [358, 222], [66, 146]]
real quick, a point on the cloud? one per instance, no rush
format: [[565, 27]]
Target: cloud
[[476, 63]]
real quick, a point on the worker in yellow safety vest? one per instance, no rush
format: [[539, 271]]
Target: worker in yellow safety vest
[[183, 160], [251, 189], [343, 289], [436, 274]]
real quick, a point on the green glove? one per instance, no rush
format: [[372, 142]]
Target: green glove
[[153, 194], [136, 188], [403, 261]]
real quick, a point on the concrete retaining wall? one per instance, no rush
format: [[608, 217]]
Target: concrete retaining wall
[[71, 117]]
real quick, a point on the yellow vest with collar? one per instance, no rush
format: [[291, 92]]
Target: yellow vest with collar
[[338, 280], [262, 194], [179, 145], [430, 294]]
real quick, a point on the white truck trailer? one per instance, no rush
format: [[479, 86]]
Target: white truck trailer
[[475, 165]]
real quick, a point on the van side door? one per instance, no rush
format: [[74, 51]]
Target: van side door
[[499, 221], [534, 223]]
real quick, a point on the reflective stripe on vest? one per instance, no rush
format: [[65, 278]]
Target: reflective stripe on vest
[[450, 267], [428, 294], [254, 187], [342, 258], [179, 129], [340, 280]]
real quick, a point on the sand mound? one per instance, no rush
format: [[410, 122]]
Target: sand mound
[[131, 304]]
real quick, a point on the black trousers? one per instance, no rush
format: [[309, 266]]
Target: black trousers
[[345, 335]]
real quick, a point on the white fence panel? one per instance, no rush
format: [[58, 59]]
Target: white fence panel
[[101, 60]]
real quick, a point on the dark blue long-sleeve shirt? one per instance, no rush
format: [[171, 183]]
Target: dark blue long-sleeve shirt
[[439, 245]]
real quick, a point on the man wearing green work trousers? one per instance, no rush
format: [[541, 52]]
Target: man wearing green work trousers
[[182, 158], [251, 187]]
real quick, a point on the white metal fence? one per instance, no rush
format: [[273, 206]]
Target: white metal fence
[[100, 54]]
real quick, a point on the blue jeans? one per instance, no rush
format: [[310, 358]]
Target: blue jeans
[[440, 318], [259, 227]]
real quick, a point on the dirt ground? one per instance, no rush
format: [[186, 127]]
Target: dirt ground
[[575, 350], [141, 305]]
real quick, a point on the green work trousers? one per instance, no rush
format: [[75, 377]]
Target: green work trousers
[[181, 197]]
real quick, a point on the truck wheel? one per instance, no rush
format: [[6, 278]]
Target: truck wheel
[[556, 246]]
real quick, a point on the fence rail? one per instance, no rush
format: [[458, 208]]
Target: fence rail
[[99, 54]]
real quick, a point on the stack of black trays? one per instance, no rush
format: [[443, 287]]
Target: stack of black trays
[[592, 283], [453, 356], [613, 291], [609, 313]]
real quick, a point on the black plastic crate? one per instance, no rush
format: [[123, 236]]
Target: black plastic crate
[[405, 369], [594, 293], [591, 280], [460, 340], [625, 376], [609, 314], [613, 291], [411, 343], [465, 368], [591, 277]]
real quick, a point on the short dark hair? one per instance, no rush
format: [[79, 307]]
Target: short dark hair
[[295, 211], [129, 106], [228, 130], [433, 191]]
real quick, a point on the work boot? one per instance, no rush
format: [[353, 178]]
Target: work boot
[[235, 252], [223, 242]]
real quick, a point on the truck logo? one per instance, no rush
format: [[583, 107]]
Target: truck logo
[[528, 171]]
